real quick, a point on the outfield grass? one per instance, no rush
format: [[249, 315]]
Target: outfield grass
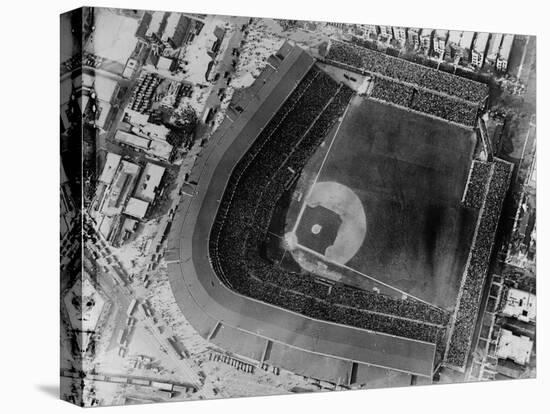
[[409, 172]]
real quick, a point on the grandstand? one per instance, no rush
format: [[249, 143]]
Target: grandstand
[[413, 86], [258, 181], [497, 179], [238, 298]]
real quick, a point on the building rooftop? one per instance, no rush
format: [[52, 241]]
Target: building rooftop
[[516, 348], [165, 63], [154, 131], [171, 25], [105, 224], [149, 182], [136, 208], [109, 170], [480, 43], [133, 140], [121, 186], [521, 305], [156, 21], [466, 40], [129, 224]]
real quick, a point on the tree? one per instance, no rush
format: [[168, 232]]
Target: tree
[[183, 130]]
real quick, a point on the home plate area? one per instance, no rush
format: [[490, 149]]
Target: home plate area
[[332, 222]]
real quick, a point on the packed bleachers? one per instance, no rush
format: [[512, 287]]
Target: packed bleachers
[[409, 97], [366, 60], [480, 254], [258, 181], [476, 186], [443, 107], [392, 92]]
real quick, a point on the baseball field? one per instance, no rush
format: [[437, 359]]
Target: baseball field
[[409, 172]]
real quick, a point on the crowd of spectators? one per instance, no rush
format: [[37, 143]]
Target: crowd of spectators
[[444, 107], [366, 60], [476, 271], [392, 92], [258, 181], [477, 184], [424, 101]]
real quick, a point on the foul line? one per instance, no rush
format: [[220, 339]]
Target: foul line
[[319, 171], [307, 249]]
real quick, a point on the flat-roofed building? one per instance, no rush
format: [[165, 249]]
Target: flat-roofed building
[[154, 147], [521, 305], [155, 26], [111, 165], [514, 347], [153, 131], [479, 49], [132, 140], [149, 182], [166, 63], [136, 208], [176, 30], [122, 185], [130, 69], [504, 52]]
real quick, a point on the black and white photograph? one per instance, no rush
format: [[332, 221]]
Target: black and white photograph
[[274, 207], [257, 206]]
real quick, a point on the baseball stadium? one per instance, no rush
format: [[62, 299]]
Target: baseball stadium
[[340, 222]]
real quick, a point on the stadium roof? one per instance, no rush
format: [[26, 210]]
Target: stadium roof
[[244, 325]]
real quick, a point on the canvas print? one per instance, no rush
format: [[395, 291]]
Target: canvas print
[[255, 206]]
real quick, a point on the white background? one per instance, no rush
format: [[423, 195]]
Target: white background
[[29, 203]]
